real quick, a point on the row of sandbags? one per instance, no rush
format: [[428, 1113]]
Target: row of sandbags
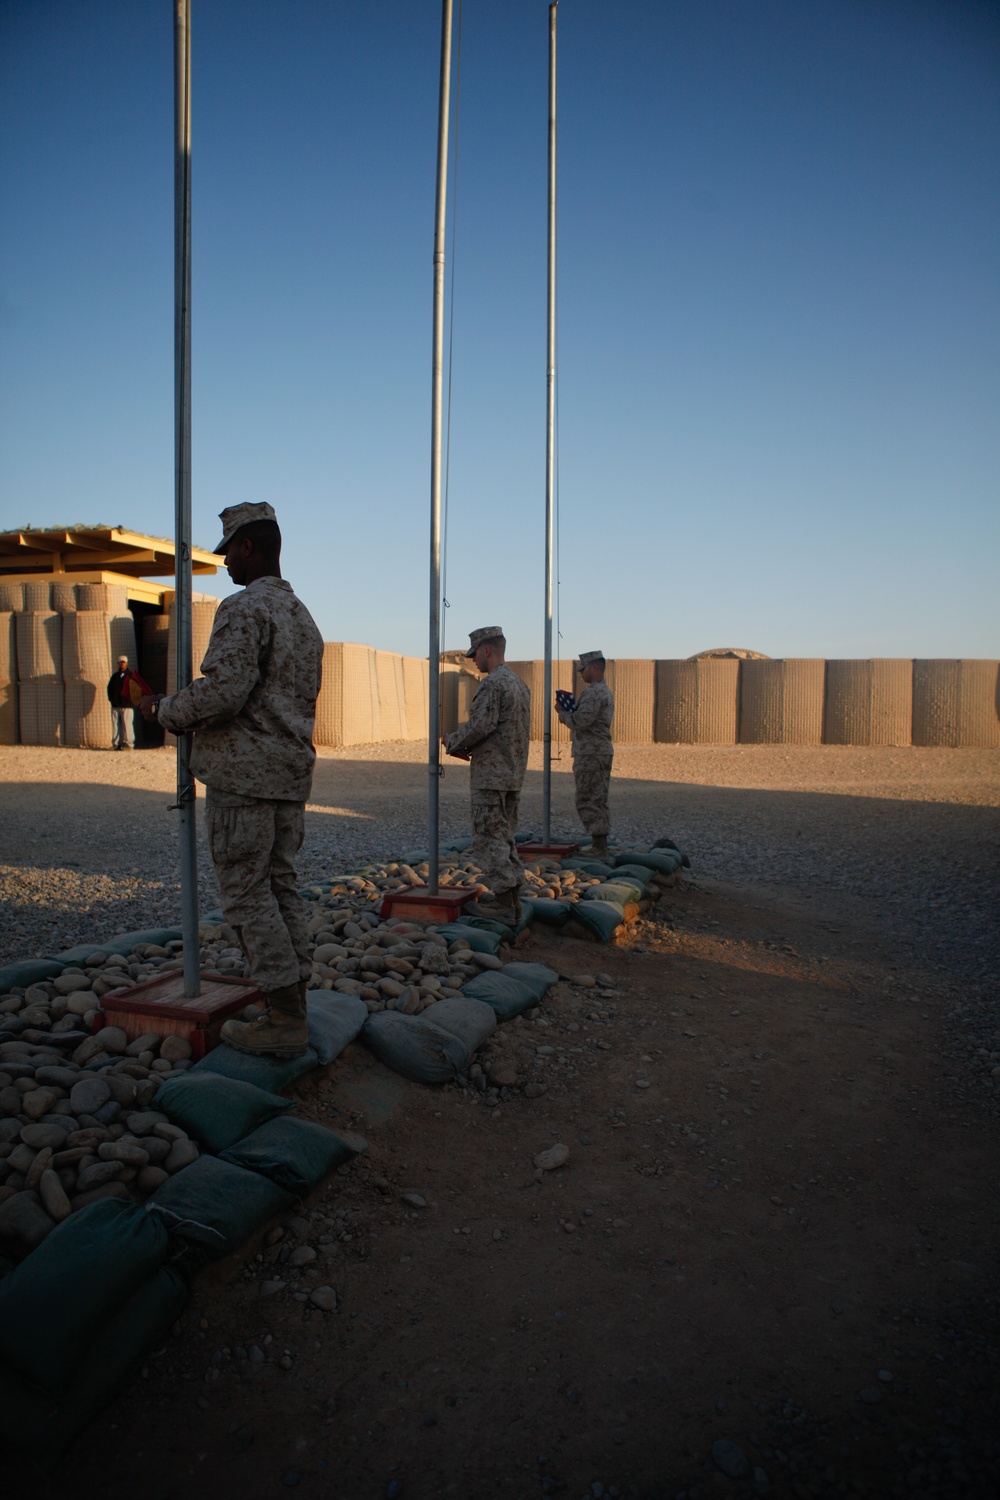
[[80, 1312]]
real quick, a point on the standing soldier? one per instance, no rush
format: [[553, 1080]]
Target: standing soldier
[[252, 713], [496, 741], [590, 720]]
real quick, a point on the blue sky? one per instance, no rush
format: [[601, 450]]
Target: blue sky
[[778, 289]]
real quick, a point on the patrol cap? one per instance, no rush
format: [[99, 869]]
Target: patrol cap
[[586, 657], [484, 636], [235, 516]]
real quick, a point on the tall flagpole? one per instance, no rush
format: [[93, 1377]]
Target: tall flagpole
[[186, 806], [434, 769], [550, 441]]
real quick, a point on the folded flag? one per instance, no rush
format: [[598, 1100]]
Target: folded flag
[[565, 701]]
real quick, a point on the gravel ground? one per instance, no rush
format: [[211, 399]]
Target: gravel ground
[[903, 838]]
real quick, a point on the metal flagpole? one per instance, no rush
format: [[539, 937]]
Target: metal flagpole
[[186, 805], [434, 768], [550, 442]]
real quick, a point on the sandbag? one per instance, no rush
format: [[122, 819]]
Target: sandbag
[[295, 1154], [212, 1207], [217, 1111], [478, 940], [333, 1020], [538, 977], [470, 1021], [548, 911], [42, 1427], [506, 933], [601, 918], [269, 1073], [663, 861], [640, 874], [25, 971], [619, 892], [506, 996], [415, 1047], [123, 943], [588, 866], [669, 844], [56, 1301]]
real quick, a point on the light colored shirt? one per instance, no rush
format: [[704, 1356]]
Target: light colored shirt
[[252, 711]]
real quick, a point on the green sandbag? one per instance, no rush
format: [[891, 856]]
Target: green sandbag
[[588, 867], [616, 891], [478, 940], [538, 977], [602, 918], [271, 1073], [470, 1021], [669, 844], [548, 911], [505, 933], [42, 1427], [28, 971], [296, 1154], [415, 1047], [212, 1207], [67, 1289], [664, 861], [217, 1111], [506, 996], [639, 873], [334, 1020]]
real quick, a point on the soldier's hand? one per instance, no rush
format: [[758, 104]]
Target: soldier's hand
[[148, 705]]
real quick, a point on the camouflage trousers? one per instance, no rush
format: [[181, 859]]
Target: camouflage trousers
[[253, 844], [494, 824], [592, 774]]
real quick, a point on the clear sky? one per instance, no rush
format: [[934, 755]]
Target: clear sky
[[778, 299]]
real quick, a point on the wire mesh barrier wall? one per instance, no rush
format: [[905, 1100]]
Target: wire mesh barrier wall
[[391, 695], [633, 683], [112, 598], [38, 595], [155, 650], [11, 597], [697, 702], [64, 598], [8, 680], [416, 696], [202, 620], [41, 707], [956, 703], [869, 702], [781, 702], [87, 665]]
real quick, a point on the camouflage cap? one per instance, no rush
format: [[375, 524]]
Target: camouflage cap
[[484, 636], [586, 657], [235, 516]]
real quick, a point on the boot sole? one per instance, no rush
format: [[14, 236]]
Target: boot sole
[[284, 1053]]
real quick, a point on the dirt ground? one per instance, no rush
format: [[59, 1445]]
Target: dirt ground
[[777, 1227]]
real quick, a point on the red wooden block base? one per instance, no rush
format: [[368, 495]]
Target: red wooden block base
[[419, 905], [160, 1005]]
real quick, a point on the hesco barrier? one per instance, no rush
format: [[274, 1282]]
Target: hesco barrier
[[532, 674], [38, 595], [781, 702], [87, 658], [956, 703], [112, 598], [633, 683], [41, 707], [697, 702], [202, 619], [64, 597], [155, 648], [416, 696], [347, 712], [11, 597], [8, 680], [868, 702], [391, 695]]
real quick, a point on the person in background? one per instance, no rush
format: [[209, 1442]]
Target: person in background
[[590, 718], [123, 700], [495, 740], [251, 714]]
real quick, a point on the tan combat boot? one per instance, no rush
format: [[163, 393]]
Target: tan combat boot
[[280, 1032], [502, 908], [598, 846]]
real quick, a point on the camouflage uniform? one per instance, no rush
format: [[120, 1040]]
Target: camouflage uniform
[[497, 734], [252, 714], [593, 754]]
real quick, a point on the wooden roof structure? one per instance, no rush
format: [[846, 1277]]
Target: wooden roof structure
[[93, 549]]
